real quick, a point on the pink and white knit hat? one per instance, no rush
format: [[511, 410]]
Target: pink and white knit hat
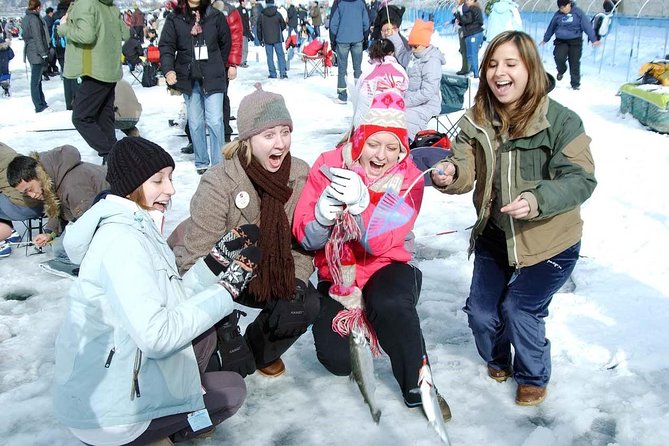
[[386, 114]]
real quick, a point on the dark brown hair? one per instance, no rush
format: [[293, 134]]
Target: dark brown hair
[[487, 107]]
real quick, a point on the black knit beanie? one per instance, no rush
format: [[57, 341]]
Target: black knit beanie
[[562, 3], [132, 161]]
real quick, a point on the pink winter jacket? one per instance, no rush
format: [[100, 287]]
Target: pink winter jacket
[[380, 251]]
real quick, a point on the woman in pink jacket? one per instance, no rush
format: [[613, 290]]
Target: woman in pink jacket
[[354, 177]]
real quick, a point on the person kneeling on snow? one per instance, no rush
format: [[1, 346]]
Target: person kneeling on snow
[[259, 181], [131, 355], [66, 185], [362, 259]]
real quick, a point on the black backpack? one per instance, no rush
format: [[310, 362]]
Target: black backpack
[[149, 77]]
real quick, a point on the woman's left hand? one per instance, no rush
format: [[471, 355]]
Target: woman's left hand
[[518, 208]]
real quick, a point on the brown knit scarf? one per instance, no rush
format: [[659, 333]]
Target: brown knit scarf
[[276, 272]]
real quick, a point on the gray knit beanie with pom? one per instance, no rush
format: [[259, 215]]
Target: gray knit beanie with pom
[[261, 110]]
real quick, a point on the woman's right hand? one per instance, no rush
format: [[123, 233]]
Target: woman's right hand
[[443, 175], [171, 78]]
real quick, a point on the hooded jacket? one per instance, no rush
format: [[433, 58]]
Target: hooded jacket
[[177, 50], [551, 165], [130, 311], [70, 181], [423, 97], [570, 26], [7, 154], [270, 26], [35, 35], [94, 31], [504, 16]]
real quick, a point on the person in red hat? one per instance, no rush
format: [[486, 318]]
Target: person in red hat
[[373, 271]]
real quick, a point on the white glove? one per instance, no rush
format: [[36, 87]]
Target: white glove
[[327, 209], [348, 188]]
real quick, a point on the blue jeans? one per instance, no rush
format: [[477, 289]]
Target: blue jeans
[[36, 93], [343, 49], [270, 49], [473, 44], [13, 212], [205, 110], [507, 307]]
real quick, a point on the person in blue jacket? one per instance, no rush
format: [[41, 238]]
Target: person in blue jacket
[[131, 356], [568, 24]]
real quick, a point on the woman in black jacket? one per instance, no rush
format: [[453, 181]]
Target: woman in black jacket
[[194, 48], [471, 21]]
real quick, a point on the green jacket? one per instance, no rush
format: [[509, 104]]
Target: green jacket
[[551, 165], [95, 33]]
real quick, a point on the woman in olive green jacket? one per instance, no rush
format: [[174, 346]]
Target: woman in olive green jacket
[[530, 162]]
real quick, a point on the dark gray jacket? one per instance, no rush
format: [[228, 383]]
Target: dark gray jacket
[[35, 37]]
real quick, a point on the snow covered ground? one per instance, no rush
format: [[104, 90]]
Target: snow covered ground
[[610, 383]]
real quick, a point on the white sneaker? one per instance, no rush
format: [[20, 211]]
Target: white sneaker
[[5, 249], [339, 101], [48, 110]]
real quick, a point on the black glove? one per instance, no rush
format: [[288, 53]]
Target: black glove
[[289, 317], [235, 353], [229, 247]]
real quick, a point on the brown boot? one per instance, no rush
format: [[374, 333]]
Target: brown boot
[[499, 375], [528, 395], [274, 369]]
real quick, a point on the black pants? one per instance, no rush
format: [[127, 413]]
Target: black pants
[[226, 116], [569, 50], [93, 114], [390, 297], [70, 86], [264, 345]]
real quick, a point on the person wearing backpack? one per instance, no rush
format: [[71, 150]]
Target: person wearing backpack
[[568, 24]]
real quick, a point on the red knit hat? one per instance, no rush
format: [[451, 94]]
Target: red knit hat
[[386, 114]]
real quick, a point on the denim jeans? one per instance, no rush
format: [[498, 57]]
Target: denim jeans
[[270, 49], [36, 93], [205, 111], [473, 44], [507, 307], [13, 212], [343, 49]]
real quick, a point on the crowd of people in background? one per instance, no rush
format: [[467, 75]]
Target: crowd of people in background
[[261, 221]]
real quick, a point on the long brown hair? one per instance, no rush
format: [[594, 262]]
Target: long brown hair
[[487, 107]]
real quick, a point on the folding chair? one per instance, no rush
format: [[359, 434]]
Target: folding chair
[[453, 89], [138, 71], [31, 225], [319, 63]]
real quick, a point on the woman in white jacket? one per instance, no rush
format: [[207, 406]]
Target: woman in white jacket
[[128, 370]]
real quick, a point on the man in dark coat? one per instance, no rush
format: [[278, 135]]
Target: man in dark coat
[[270, 34], [292, 17]]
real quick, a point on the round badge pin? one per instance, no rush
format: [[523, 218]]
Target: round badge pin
[[242, 199]]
